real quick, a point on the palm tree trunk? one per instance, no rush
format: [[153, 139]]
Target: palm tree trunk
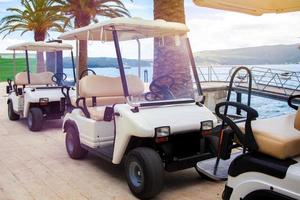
[[41, 67], [169, 10], [170, 59], [83, 54], [83, 50]]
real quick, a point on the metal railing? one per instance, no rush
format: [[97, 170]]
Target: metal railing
[[287, 81], [214, 74], [265, 79]]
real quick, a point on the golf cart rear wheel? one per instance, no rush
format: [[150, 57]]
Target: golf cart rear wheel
[[73, 146], [144, 172], [35, 119], [11, 113]]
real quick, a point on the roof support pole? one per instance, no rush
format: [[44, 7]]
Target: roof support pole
[[139, 57], [199, 89], [120, 62], [27, 66], [73, 66], [77, 67], [55, 60], [14, 63]]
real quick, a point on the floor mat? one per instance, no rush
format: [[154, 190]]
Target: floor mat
[[206, 167]]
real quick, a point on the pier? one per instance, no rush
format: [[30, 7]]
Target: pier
[[267, 82]]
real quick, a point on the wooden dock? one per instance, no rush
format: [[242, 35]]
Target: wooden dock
[[261, 90]]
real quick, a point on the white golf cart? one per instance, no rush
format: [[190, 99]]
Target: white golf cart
[[268, 168], [120, 119], [36, 96]]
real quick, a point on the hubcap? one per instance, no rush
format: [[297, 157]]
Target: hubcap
[[9, 109], [70, 144], [29, 119], [136, 174]]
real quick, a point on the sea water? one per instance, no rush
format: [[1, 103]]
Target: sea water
[[265, 107]]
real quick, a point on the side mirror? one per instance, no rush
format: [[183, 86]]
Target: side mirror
[[108, 114]]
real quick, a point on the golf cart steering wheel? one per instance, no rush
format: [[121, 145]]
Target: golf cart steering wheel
[[85, 71], [160, 89], [59, 78]]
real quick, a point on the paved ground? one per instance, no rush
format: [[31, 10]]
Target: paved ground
[[36, 166]]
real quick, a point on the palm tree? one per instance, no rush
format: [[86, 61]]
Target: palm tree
[[167, 58], [34, 16], [84, 12]]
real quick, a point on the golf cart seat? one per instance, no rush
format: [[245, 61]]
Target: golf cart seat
[[43, 78], [278, 136], [97, 92], [97, 113], [99, 101]]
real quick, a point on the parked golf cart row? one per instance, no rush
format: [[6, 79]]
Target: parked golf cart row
[[118, 118], [155, 129]]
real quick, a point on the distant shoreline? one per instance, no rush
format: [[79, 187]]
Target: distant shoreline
[[198, 65]]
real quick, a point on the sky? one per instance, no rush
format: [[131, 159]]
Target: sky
[[210, 29]]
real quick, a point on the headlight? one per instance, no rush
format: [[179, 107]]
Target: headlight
[[207, 125], [162, 131]]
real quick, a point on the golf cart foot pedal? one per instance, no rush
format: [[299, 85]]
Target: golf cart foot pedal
[[206, 167]]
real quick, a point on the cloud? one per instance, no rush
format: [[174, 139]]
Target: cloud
[[233, 30], [209, 29], [8, 42], [135, 6]]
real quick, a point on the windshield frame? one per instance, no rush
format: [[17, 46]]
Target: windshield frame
[[27, 70], [124, 81]]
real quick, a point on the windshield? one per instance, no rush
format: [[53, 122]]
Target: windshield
[[164, 67], [41, 67]]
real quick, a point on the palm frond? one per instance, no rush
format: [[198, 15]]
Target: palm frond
[[34, 15], [80, 10]]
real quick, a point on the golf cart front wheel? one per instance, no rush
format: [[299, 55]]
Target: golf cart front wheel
[[144, 172], [73, 146], [35, 119], [11, 113]]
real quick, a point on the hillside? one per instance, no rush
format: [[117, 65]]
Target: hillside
[[276, 54]]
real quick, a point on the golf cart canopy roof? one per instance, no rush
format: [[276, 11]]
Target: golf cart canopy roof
[[128, 29], [40, 46], [252, 7]]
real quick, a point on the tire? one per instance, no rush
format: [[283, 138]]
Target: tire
[[144, 172], [11, 113], [35, 119], [74, 149]]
